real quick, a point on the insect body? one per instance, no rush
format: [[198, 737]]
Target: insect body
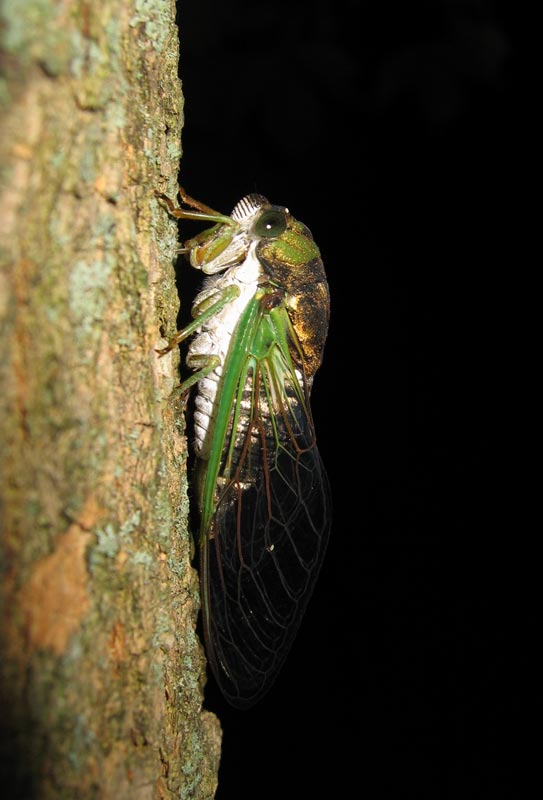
[[260, 325]]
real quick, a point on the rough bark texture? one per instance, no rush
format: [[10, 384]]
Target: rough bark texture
[[102, 671]]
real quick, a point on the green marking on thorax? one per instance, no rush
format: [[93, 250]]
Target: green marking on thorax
[[295, 246]]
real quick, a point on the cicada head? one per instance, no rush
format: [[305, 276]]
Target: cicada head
[[225, 245]]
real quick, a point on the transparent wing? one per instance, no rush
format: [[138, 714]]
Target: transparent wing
[[266, 541]]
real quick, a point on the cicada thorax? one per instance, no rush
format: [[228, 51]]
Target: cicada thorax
[[293, 262]]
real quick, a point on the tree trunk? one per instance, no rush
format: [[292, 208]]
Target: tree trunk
[[102, 671]]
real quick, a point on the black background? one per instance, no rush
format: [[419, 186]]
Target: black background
[[389, 129]]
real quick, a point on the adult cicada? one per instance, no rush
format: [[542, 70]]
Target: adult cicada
[[260, 325]]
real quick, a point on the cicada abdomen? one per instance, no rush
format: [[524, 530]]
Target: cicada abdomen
[[260, 326]]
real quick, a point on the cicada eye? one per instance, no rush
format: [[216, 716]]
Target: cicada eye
[[271, 224]]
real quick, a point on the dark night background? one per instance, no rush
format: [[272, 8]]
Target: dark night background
[[389, 129]]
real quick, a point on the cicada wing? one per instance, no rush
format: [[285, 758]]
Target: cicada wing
[[267, 538]]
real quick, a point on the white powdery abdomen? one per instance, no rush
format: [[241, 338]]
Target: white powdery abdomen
[[214, 340]]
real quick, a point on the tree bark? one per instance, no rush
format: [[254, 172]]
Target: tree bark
[[102, 671]]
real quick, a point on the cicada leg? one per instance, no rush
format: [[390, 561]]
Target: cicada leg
[[205, 213], [190, 201], [203, 365], [203, 312]]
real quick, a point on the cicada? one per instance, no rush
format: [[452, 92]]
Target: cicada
[[259, 328]]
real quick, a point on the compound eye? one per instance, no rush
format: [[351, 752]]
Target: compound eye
[[270, 224]]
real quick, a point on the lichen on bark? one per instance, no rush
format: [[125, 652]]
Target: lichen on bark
[[102, 672]]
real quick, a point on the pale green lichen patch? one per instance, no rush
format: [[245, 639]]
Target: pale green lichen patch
[[37, 30], [107, 542], [150, 15], [131, 524], [88, 294]]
